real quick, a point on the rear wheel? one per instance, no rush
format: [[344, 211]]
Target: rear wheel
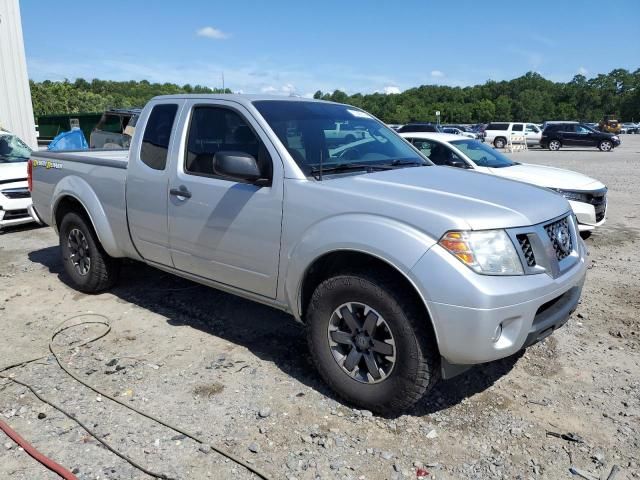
[[371, 343], [555, 145], [500, 142], [91, 269], [605, 146]]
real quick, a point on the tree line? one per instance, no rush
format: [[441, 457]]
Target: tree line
[[530, 97], [82, 96]]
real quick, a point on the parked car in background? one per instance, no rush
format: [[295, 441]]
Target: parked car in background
[[15, 199], [498, 133], [401, 271], [420, 127], [587, 196], [630, 128], [558, 135], [115, 129], [344, 132], [457, 131]]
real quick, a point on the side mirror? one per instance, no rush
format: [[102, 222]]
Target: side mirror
[[238, 166], [456, 162]]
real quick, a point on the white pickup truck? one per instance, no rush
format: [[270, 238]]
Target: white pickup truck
[[402, 271]]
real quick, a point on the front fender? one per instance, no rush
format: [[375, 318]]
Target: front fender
[[396, 243], [80, 190]]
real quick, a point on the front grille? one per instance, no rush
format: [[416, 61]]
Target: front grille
[[527, 251], [15, 214], [14, 193], [560, 236], [598, 199]]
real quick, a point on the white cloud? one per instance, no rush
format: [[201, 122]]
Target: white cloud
[[582, 71], [269, 89], [391, 90], [210, 32], [288, 89], [437, 74]]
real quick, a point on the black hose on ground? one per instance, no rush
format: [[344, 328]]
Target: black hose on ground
[[61, 328]]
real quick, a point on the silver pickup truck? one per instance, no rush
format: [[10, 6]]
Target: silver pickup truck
[[403, 273]]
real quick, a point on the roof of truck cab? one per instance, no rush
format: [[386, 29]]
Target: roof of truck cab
[[236, 97]]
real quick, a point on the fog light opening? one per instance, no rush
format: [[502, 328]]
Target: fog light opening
[[497, 334]]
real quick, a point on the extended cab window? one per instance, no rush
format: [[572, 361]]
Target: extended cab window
[[517, 127], [497, 126], [157, 133], [217, 129]]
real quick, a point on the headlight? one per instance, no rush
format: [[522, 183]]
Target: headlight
[[615, 137], [571, 195], [490, 252]]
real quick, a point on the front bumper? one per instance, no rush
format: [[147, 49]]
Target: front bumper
[[588, 215], [18, 211], [480, 318]]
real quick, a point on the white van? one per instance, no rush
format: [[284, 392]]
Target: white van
[[498, 133]]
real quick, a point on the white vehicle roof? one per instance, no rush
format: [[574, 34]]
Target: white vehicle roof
[[443, 137]]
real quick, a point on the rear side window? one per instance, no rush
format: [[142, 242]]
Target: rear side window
[[155, 143], [517, 127], [497, 126]]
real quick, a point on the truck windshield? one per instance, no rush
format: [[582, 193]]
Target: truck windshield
[[12, 149], [483, 155], [337, 135]]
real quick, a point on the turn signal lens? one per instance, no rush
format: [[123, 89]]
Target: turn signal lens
[[490, 252], [30, 175]]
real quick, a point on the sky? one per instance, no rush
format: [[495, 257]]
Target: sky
[[299, 47]]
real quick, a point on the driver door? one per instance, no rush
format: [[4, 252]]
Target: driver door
[[221, 229]]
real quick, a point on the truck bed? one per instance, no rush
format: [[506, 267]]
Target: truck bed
[[95, 178]]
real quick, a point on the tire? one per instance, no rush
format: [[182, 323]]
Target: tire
[[585, 234], [605, 146], [555, 145], [499, 142], [350, 138], [78, 242], [416, 361]]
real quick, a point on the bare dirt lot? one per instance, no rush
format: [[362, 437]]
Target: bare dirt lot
[[238, 374]]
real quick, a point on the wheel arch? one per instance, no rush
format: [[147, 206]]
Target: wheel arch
[[350, 260], [73, 194]]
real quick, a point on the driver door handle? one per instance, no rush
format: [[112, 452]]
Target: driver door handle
[[180, 192]]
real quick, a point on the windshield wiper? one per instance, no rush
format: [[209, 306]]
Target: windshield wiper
[[397, 163], [344, 167]]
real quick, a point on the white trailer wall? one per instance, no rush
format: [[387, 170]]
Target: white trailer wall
[[16, 110]]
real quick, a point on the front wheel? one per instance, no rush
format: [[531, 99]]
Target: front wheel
[[554, 145], [370, 342], [605, 146], [91, 269]]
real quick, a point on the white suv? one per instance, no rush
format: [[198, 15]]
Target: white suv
[[498, 133]]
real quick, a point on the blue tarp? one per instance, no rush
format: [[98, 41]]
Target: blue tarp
[[71, 140]]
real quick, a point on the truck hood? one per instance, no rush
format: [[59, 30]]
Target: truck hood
[[455, 198], [13, 171], [549, 177]]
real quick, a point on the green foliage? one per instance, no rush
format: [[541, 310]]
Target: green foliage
[[82, 96], [530, 97], [527, 98]]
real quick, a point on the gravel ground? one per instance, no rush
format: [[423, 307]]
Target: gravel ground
[[238, 374]]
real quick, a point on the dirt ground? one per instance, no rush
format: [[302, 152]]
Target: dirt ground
[[238, 374]]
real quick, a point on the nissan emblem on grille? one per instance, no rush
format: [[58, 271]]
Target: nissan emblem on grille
[[560, 237]]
